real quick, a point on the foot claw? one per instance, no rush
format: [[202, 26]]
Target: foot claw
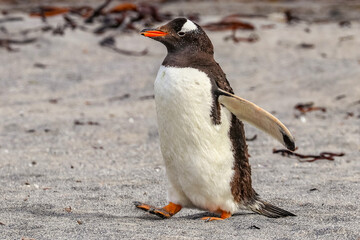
[[160, 212], [143, 206], [209, 219], [224, 215]]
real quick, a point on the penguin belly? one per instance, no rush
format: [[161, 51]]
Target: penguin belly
[[197, 153]]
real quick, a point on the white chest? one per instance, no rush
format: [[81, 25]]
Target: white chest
[[183, 102], [197, 153]]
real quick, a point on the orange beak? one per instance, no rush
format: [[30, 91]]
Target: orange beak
[[153, 33]]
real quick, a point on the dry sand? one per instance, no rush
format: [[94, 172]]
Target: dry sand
[[48, 163]]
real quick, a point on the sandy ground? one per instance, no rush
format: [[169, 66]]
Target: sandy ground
[[49, 163]]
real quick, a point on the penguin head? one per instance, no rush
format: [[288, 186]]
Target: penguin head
[[181, 34]]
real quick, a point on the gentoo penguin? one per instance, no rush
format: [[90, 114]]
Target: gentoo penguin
[[201, 131]]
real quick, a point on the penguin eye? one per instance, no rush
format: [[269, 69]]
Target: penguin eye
[[181, 34]]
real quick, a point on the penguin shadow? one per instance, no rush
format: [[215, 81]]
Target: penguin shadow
[[150, 217], [209, 214], [196, 216]]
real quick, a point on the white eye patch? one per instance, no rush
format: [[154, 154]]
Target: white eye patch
[[188, 26]]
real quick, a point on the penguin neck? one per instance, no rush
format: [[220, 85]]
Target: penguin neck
[[187, 58]]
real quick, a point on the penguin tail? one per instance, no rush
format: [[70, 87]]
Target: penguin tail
[[268, 210]]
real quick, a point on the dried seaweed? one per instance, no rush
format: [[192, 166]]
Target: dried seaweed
[[229, 23], [53, 100], [11, 19], [308, 158], [251, 39], [109, 23], [290, 17], [83, 11], [124, 17], [69, 22], [78, 122], [6, 42], [97, 11], [306, 45], [109, 42], [232, 22], [48, 11], [149, 13], [119, 98], [313, 189], [115, 18], [98, 147], [145, 12], [253, 227], [40, 65], [339, 97], [349, 115], [123, 7], [247, 15], [308, 107], [59, 30], [345, 23]]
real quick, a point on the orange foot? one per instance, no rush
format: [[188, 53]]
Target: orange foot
[[165, 212], [224, 215]]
